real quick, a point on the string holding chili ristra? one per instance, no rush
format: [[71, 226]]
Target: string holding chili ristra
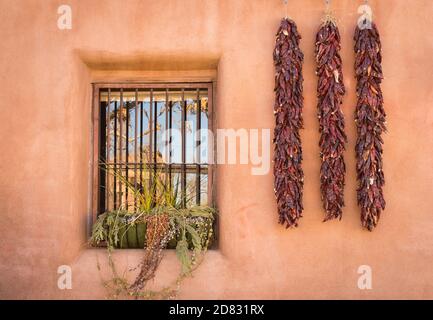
[[330, 92], [370, 120], [288, 174]]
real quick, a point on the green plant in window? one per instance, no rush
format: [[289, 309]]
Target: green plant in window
[[156, 220]]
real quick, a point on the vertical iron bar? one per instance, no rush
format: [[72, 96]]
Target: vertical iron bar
[[150, 138], [121, 146], [107, 187], [102, 152], [183, 170], [198, 147], [155, 133], [170, 126], [155, 144], [141, 143], [135, 146], [167, 154], [135, 152], [127, 106], [95, 115], [211, 166], [115, 155]]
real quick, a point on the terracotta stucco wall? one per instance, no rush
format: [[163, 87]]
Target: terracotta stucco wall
[[45, 101]]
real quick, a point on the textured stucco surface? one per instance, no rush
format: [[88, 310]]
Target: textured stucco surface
[[45, 102]]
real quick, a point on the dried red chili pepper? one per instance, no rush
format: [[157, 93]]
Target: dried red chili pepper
[[288, 174], [330, 92], [370, 120]]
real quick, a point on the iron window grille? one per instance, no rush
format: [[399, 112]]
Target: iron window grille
[[129, 125]]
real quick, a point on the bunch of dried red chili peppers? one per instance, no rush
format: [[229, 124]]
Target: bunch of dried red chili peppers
[[289, 177], [330, 91], [370, 122]]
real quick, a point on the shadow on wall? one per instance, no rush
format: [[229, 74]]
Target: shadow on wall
[[103, 60]]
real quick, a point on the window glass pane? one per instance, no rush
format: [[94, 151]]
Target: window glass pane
[[204, 125], [204, 186], [142, 138], [104, 131], [191, 189], [104, 121], [114, 115], [133, 122], [191, 125], [175, 97], [176, 185], [129, 125], [128, 136], [114, 143], [143, 125], [161, 116]]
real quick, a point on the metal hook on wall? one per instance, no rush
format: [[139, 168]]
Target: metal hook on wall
[[327, 6], [328, 13], [287, 8], [366, 18]]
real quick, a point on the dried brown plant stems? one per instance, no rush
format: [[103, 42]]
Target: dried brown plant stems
[[288, 174], [156, 240], [330, 92], [370, 121]]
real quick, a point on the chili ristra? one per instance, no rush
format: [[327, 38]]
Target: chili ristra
[[370, 121], [330, 92], [288, 174]]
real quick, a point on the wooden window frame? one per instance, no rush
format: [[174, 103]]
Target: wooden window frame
[[210, 86]]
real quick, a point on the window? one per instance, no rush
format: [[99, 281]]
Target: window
[[130, 123]]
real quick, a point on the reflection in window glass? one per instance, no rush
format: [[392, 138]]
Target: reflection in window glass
[[190, 189], [204, 121], [133, 123], [203, 188], [191, 125], [175, 97], [161, 118]]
